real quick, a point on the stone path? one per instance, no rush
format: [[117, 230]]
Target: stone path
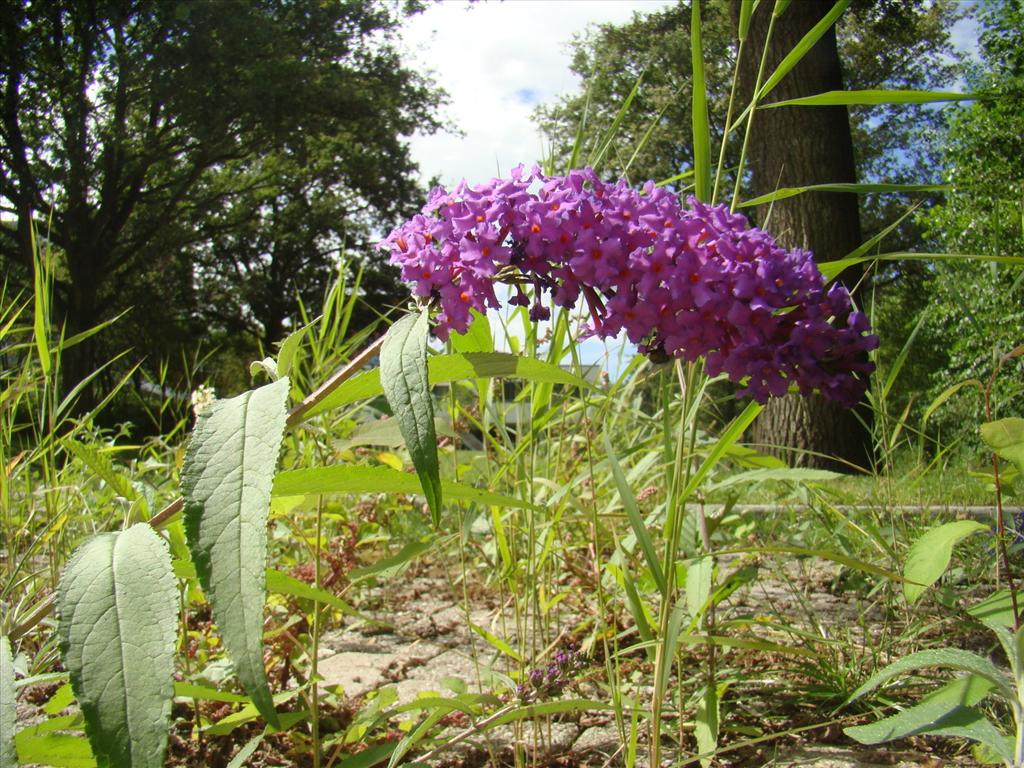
[[428, 644]]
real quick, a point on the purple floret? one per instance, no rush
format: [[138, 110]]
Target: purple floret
[[685, 282]]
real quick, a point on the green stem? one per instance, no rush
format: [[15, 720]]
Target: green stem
[[750, 116], [675, 513], [314, 677]]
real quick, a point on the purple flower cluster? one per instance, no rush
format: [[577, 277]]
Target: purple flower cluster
[[549, 681], [683, 282]]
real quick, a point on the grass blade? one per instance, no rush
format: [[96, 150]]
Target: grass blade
[[801, 49], [870, 98], [701, 132]]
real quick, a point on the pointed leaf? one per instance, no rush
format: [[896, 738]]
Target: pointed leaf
[[118, 626], [948, 711], [346, 478], [701, 132], [929, 556], [636, 520], [698, 585], [403, 374], [856, 189], [54, 749], [803, 47], [706, 728], [477, 337], [870, 98], [445, 368], [951, 658], [226, 482], [8, 704], [1006, 439]]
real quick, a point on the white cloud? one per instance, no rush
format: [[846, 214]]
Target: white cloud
[[498, 60]]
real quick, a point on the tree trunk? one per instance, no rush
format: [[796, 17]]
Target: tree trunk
[[798, 146]]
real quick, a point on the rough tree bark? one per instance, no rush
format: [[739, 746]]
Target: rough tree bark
[[797, 146]]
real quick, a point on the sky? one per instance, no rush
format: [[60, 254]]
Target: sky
[[498, 61]]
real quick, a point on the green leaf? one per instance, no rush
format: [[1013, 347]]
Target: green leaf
[[345, 478], [800, 49], [403, 372], [238, 761], [392, 564], [952, 658], [870, 98], [788, 474], [497, 642], [41, 284], [56, 749], [226, 481], [289, 347], [8, 704], [929, 556], [445, 368], [698, 585], [1006, 439], [746, 11], [532, 711], [732, 433], [283, 584], [205, 693], [706, 727], [477, 337], [118, 612], [385, 432], [948, 711], [636, 520], [248, 713], [996, 609], [857, 189], [830, 269], [701, 132]]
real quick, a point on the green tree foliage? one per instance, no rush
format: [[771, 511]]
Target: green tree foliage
[[886, 44], [203, 162], [976, 310]]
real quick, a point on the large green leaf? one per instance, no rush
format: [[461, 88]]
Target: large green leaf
[[55, 749], [403, 374], [870, 98], [950, 658], [929, 556], [948, 711], [477, 338], [445, 368], [118, 613], [226, 482], [1006, 438], [348, 478], [8, 704]]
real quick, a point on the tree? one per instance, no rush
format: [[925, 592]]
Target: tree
[[883, 44], [797, 146], [145, 140], [975, 311]]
